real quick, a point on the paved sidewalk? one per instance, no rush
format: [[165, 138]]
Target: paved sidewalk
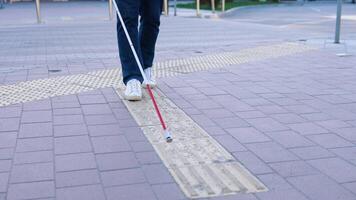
[[289, 119]]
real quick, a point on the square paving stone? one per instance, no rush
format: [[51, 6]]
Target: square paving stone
[[115, 161], [247, 135], [72, 144], [320, 187], [32, 172], [88, 192], [330, 140], [271, 152], [36, 130], [266, 124], [123, 177], [100, 119], [8, 139], [288, 118], [4, 178], [9, 124], [106, 129], [68, 119], [293, 168], [147, 158], [33, 157], [336, 168], [91, 99], [67, 111], [34, 190], [314, 152], [10, 112], [5, 165], [36, 116], [34, 144], [96, 109], [229, 143], [72, 162], [132, 192], [289, 194], [157, 174], [252, 163], [290, 139], [307, 128], [347, 133], [107, 144], [168, 191], [70, 130], [77, 178], [231, 122]]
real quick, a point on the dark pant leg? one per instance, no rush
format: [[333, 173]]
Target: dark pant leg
[[149, 28], [129, 10]]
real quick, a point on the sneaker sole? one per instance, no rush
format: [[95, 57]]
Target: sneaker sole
[[133, 98]]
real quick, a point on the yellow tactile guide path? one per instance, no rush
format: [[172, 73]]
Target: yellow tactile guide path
[[200, 165]]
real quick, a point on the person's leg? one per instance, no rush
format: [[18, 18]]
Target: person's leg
[[149, 28], [129, 10]]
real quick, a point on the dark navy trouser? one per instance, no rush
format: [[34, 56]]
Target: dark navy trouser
[[144, 37]]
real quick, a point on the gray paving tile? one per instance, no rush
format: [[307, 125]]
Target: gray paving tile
[[72, 144], [218, 113], [351, 187], [106, 129], [203, 120], [8, 139], [96, 109], [36, 116], [316, 117], [142, 146], [288, 118], [33, 157], [5, 165], [290, 139], [91, 99], [157, 174], [130, 192], [168, 191], [100, 119], [347, 133], [229, 143], [34, 144], [214, 130], [330, 140], [348, 153], [6, 154], [314, 152], [247, 135], [77, 178], [115, 161], [333, 124], [271, 109], [271, 152], [70, 130], [10, 112], [274, 182], [230, 122], [250, 114], [4, 178], [38, 105], [307, 128], [32, 190], [336, 168], [32, 172], [68, 119], [89, 192], [293, 168], [146, 158], [252, 163], [108, 144], [36, 130], [134, 134], [290, 194], [266, 124], [320, 187], [9, 124], [67, 111], [75, 162], [123, 177]]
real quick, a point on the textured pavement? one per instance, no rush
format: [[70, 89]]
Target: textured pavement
[[290, 120]]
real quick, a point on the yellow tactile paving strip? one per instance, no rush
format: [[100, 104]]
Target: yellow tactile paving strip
[[200, 165]]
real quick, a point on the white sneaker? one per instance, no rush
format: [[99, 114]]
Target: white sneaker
[[133, 90], [150, 80]]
